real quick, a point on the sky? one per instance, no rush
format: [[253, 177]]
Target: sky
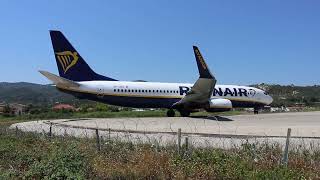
[[243, 42]]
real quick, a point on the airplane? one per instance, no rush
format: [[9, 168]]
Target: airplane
[[78, 79]]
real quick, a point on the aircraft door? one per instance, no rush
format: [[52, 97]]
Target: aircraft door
[[100, 92]]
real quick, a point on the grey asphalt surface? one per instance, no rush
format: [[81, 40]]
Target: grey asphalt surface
[[203, 131]]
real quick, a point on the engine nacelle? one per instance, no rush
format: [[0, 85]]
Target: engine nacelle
[[219, 105]]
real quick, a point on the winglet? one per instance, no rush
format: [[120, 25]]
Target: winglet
[[202, 66]]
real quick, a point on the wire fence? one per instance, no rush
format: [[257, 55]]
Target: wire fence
[[183, 141]]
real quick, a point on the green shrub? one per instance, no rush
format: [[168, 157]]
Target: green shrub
[[63, 161]]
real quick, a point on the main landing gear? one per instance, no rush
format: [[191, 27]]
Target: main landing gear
[[183, 113], [256, 110], [170, 113]]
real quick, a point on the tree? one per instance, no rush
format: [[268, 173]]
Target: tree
[[314, 99], [7, 109]]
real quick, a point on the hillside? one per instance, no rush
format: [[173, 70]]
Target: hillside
[[291, 94], [44, 95], [36, 94]]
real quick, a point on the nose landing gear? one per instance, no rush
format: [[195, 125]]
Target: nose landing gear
[[256, 110]]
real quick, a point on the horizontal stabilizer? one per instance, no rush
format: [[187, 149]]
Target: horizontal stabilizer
[[59, 81]]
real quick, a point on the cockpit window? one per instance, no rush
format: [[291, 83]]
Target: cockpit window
[[265, 93]]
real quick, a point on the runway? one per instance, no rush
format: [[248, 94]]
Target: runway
[[202, 130]]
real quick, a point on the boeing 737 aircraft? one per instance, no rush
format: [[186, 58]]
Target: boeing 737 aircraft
[[78, 79]]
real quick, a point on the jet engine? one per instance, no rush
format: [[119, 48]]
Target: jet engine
[[219, 105]]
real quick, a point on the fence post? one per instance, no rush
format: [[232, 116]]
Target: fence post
[[17, 130], [109, 131], [98, 140], [179, 140], [286, 150], [101, 142], [50, 130], [187, 143]]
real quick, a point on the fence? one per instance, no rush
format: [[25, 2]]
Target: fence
[[182, 141]]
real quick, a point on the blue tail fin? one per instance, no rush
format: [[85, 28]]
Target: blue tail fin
[[70, 64]]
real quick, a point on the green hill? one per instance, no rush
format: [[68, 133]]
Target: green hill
[[291, 94], [36, 94]]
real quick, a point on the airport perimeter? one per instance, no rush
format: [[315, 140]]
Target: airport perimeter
[[215, 131]]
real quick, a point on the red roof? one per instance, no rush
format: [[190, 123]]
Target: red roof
[[63, 106]]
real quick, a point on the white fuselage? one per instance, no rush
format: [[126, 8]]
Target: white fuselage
[[156, 94]]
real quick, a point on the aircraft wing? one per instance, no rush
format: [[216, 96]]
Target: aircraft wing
[[59, 81], [202, 88]]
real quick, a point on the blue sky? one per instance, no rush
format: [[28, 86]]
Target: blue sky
[[243, 42]]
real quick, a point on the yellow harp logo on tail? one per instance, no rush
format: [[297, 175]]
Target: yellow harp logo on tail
[[67, 59], [204, 66]]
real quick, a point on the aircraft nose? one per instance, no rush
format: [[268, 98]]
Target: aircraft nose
[[270, 99]]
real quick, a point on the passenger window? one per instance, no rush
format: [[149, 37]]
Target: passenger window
[[142, 90], [160, 91], [136, 90], [128, 90], [139, 90], [150, 91], [157, 90], [121, 90]]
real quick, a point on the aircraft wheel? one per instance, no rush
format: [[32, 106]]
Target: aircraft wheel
[[170, 113], [256, 111], [185, 113]]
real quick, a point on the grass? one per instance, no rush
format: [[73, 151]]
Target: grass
[[308, 109], [34, 156]]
